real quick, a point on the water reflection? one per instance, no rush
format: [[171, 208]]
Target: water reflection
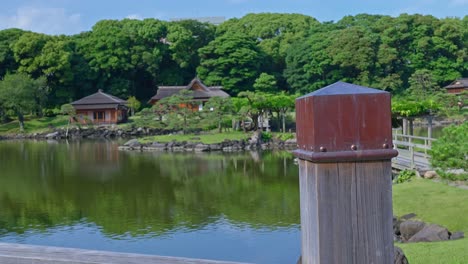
[[51, 193]]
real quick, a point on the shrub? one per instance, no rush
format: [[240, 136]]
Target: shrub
[[51, 112], [266, 136], [453, 176], [450, 151], [285, 136], [404, 176]]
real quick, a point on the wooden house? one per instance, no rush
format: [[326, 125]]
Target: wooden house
[[200, 93], [458, 86], [101, 108]]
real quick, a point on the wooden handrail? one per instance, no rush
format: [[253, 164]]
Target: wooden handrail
[[413, 137]]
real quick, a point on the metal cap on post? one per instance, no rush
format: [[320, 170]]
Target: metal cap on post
[[344, 139], [344, 122]]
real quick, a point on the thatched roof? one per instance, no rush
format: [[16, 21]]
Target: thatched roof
[[457, 84], [99, 100], [199, 91]]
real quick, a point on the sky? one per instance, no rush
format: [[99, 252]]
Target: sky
[[74, 16]]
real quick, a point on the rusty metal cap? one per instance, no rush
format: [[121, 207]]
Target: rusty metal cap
[[350, 122]]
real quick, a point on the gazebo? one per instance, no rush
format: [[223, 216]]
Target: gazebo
[[101, 108]]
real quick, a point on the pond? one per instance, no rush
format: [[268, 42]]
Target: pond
[[237, 207]]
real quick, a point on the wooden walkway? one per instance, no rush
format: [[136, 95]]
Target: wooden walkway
[[28, 254], [413, 152]]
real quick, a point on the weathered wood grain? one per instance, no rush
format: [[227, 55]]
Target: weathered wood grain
[[346, 212], [29, 254]]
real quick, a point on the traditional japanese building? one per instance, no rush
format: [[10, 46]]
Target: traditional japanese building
[[200, 92], [458, 86], [101, 108]]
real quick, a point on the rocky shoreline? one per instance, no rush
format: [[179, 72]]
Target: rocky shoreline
[[114, 132], [89, 133], [194, 146]]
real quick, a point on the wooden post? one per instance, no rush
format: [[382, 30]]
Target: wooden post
[[411, 126], [411, 149], [405, 126], [429, 127], [344, 137]]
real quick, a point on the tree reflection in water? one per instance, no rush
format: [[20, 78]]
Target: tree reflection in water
[[44, 185]]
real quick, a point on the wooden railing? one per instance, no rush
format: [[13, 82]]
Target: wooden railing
[[413, 151]]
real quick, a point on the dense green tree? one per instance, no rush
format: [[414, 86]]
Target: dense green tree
[[131, 57], [309, 65], [27, 51], [256, 106], [233, 61], [21, 94], [378, 51], [8, 38], [422, 84], [280, 104], [274, 34], [240, 106], [266, 83], [185, 38], [126, 55], [217, 109]]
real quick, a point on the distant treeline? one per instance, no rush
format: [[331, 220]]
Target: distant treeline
[[132, 57]]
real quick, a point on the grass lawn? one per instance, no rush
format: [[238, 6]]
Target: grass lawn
[[33, 125], [439, 204], [204, 138]]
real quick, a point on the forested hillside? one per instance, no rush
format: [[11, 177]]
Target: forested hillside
[[132, 57]]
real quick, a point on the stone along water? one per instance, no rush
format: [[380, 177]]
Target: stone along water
[[239, 207]]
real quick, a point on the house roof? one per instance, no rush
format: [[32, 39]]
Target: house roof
[[99, 98], [460, 83], [199, 89], [97, 106]]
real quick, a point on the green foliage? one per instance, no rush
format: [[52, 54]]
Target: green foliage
[[266, 136], [254, 106], [408, 108], [284, 136], [205, 138], [134, 104], [265, 83], [404, 176], [452, 176], [21, 94], [231, 60], [8, 38], [411, 55], [217, 109], [34, 124], [145, 118], [390, 53], [450, 151], [421, 84], [186, 37], [451, 105], [280, 104], [180, 110], [68, 109]]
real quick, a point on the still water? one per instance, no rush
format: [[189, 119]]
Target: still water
[[237, 207]]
